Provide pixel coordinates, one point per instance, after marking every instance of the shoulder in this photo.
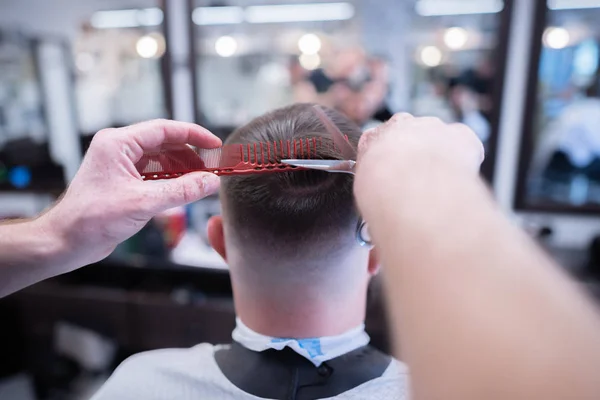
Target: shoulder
(397, 368)
(172, 358)
(151, 374)
(393, 384)
(167, 361)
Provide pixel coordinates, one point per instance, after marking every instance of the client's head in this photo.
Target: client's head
(290, 237)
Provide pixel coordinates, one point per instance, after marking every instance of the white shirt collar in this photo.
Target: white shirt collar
(316, 350)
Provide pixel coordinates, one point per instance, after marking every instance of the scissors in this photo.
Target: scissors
(344, 166)
(334, 166)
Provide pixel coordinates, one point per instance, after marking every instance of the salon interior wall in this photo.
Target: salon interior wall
(55, 20)
(52, 21)
(569, 231)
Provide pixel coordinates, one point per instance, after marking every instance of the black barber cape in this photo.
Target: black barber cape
(285, 374)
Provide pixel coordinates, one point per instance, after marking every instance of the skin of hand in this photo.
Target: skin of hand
(477, 310)
(428, 139)
(108, 202)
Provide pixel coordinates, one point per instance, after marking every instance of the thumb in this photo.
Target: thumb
(186, 189)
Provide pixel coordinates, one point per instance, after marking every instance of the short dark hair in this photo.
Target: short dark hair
(289, 210)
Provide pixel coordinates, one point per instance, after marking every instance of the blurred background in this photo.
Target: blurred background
(523, 74)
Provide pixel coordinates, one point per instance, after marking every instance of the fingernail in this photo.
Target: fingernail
(211, 183)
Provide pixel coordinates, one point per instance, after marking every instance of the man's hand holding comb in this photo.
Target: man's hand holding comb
(106, 203)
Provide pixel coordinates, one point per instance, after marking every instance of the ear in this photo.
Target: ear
(374, 265)
(216, 237)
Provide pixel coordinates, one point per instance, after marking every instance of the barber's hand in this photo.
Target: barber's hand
(424, 140)
(412, 149)
(107, 202)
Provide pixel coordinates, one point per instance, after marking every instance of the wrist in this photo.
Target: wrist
(51, 244)
(31, 251)
(77, 240)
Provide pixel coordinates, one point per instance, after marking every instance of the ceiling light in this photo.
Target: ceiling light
(556, 38)
(429, 8)
(431, 56)
(151, 46)
(572, 4)
(127, 18)
(310, 61)
(226, 46)
(150, 17)
(299, 12)
(218, 15)
(147, 47)
(309, 44)
(456, 38)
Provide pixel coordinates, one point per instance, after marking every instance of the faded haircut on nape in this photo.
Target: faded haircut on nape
(291, 214)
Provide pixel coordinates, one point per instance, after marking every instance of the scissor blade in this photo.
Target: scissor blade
(341, 166)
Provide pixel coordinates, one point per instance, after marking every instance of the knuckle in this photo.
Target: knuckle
(396, 118)
(369, 135)
(103, 134)
(371, 132)
(433, 120)
(103, 137)
(460, 126)
(400, 117)
(463, 130)
(363, 143)
(159, 122)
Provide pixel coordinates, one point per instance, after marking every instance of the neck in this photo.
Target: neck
(288, 314)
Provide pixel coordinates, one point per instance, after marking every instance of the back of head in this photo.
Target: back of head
(300, 218)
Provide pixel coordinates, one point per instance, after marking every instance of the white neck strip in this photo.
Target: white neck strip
(316, 350)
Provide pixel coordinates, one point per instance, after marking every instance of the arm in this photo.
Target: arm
(30, 251)
(477, 309)
(106, 203)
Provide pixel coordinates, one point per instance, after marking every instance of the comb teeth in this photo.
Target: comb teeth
(210, 157)
(273, 152)
(232, 159)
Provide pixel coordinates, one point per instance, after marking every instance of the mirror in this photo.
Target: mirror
(561, 152)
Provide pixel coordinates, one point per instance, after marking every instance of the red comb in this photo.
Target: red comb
(231, 159)
(241, 159)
